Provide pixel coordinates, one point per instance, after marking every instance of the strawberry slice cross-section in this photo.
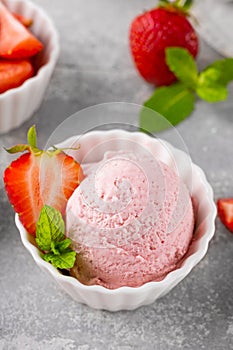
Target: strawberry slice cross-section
(40, 177)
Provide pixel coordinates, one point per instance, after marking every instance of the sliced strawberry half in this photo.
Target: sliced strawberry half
(40, 177)
(225, 212)
(14, 73)
(16, 41)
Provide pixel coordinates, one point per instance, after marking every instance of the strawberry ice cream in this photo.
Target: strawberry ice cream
(131, 221)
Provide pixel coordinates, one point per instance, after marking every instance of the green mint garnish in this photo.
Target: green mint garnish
(64, 260)
(60, 247)
(182, 64)
(209, 88)
(50, 238)
(176, 102)
(225, 67)
(49, 228)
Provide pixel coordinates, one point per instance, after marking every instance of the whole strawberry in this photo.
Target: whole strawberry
(153, 31)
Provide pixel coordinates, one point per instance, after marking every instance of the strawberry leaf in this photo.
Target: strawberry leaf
(50, 227)
(182, 5)
(185, 4)
(65, 260)
(163, 2)
(31, 136)
(17, 148)
(31, 146)
(183, 65)
(174, 103)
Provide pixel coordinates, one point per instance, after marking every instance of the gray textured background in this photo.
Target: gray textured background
(95, 67)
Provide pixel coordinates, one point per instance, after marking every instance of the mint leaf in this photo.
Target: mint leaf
(65, 260)
(212, 92)
(50, 238)
(60, 247)
(225, 69)
(209, 76)
(54, 248)
(63, 245)
(50, 227)
(174, 102)
(183, 65)
(209, 88)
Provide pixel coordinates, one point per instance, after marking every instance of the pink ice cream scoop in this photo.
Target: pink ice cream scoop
(131, 221)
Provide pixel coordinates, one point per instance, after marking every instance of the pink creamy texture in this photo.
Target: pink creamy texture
(131, 221)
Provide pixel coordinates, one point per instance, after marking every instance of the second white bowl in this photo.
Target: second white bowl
(18, 104)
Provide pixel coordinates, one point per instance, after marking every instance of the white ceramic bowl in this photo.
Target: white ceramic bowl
(205, 211)
(18, 104)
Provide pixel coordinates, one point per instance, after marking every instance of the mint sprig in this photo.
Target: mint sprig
(50, 238)
(176, 102)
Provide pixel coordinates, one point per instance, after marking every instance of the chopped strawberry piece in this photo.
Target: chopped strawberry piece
(14, 73)
(225, 212)
(16, 41)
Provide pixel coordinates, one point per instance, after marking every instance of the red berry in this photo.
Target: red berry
(225, 212)
(151, 33)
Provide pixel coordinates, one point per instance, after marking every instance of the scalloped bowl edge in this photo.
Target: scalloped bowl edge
(129, 298)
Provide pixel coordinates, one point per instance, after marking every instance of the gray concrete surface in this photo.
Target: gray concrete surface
(95, 67)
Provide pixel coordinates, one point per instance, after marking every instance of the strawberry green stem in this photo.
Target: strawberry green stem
(31, 146)
(32, 137)
(181, 5)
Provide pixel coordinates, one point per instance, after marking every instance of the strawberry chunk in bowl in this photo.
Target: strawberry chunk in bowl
(29, 49)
